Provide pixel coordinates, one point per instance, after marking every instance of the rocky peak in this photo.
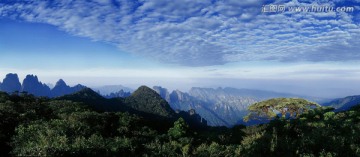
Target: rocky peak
(32, 77)
(61, 83)
(11, 83)
(31, 84)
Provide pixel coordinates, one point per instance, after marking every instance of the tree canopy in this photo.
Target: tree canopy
(33, 126)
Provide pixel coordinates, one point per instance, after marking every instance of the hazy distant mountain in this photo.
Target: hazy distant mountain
(108, 89)
(342, 104)
(119, 94)
(11, 83)
(61, 88)
(183, 101)
(220, 106)
(163, 92)
(32, 85)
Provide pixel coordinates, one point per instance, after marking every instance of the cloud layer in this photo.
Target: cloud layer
(202, 33)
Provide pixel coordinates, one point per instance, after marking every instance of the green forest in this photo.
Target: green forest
(39, 126)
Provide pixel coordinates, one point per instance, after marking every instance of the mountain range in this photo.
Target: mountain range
(144, 122)
(219, 106)
(32, 85)
(144, 102)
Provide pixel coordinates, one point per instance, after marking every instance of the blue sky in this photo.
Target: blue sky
(180, 44)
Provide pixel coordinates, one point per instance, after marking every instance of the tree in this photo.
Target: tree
(270, 108)
(180, 129)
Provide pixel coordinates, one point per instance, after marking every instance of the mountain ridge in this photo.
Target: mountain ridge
(345, 103)
(144, 102)
(32, 85)
(220, 106)
(61, 88)
(108, 89)
(223, 106)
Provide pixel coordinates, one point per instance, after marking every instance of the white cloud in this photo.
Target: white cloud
(200, 33)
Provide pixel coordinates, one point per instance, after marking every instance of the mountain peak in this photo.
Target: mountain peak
(31, 76)
(84, 93)
(61, 88)
(146, 100)
(61, 82)
(30, 79)
(32, 85)
(11, 83)
(144, 89)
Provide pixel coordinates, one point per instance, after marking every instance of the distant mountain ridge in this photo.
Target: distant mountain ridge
(32, 85)
(220, 106)
(113, 91)
(108, 89)
(342, 104)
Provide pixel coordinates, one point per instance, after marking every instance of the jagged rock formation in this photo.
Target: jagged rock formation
(220, 106)
(184, 102)
(31, 84)
(11, 83)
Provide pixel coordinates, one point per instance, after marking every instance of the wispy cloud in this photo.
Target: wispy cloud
(202, 33)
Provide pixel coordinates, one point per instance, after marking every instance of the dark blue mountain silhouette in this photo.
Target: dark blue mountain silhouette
(61, 88)
(32, 85)
(11, 83)
(343, 104)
